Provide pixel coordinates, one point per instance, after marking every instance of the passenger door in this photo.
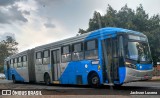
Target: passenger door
(111, 59)
(55, 61)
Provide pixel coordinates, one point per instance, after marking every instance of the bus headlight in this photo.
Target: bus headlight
(130, 65)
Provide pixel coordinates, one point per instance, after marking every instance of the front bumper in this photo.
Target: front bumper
(136, 75)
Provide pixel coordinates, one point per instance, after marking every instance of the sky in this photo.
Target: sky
(36, 22)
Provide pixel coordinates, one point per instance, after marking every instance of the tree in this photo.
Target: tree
(128, 18)
(125, 18)
(7, 47)
(81, 31)
(94, 23)
(110, 17)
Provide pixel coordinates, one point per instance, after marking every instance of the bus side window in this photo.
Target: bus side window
(66, 55)
(38, 58)
(15, 63)
(19, 62)
(91, 49)
(24, 59)
(11, 62)
(77, 51)
(7, 63)
(46, 55)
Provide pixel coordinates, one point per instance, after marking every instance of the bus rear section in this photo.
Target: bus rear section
(19, 67)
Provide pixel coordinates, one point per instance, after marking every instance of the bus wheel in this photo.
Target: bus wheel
(13, 78)
(94, 80)
(47, 79)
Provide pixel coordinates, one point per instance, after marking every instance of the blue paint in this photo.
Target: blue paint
(100, 55)
(122, 74)
(144, 66)
(102, 33)
(78, 68)
(18, 77)
(12, 71)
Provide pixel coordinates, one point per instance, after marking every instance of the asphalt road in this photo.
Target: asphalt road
(133, 89)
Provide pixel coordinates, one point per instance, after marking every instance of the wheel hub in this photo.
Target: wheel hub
(95, 80)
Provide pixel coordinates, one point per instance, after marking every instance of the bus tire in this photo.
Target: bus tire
(94, 80)
(14, 79)
(47, 79)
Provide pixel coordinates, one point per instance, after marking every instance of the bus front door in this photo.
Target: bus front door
(55, 59)
(111, 60)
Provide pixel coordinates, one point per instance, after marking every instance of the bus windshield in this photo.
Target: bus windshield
(139, 51)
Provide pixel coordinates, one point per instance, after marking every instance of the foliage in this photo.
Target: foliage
(128, 18)
(7, 47)
(1, 69)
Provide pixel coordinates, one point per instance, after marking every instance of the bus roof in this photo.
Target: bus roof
(83, 37)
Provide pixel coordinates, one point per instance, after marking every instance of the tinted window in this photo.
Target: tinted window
(92, 54)
(66, 56)
(24, 58)
(11, 61)
(15, 60)
(90, 45)
(56, 57)
(39, 55)
(24, 64)
(65, 49)
(138, 51)
(46, 53)
(91, 49)
(78, 53)
(15, 63)
(134, 37)
(77, 47)
(19, 62)
(19, 59)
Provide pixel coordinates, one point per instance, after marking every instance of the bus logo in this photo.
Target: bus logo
(6, 92)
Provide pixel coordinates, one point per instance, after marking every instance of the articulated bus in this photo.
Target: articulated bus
(105, 56)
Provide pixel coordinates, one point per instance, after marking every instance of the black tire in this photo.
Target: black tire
(47, 79)
(94, 80)
(14, 80)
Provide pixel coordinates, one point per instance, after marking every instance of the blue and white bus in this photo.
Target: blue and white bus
(108, 55)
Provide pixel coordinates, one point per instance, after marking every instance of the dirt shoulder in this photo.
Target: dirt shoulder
(155, 78)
